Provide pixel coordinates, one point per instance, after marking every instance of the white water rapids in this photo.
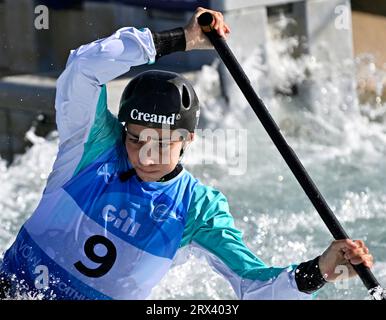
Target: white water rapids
(341, 143)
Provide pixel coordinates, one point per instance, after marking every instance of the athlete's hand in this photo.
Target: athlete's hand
(342, 253)
(195, 38)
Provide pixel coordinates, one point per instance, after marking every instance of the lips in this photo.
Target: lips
(146, 171)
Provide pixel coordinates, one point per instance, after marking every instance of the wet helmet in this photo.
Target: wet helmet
(157, 98)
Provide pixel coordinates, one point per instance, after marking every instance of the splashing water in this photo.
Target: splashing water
(25, 181)
(341, 143)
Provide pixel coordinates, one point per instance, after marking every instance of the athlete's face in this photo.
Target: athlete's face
(154, 152)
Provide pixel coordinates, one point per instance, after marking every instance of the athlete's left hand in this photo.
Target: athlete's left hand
(342, 253)
(195, 38)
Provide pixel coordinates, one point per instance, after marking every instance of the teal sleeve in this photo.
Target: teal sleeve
(86, 128)
(210, 232)
(211, 226)
(105, 132)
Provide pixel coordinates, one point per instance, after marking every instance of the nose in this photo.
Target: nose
(148, 155)
(146, 161)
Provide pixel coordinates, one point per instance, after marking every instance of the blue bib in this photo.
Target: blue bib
(100, 238)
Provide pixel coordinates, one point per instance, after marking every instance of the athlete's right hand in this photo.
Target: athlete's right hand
(195, 38)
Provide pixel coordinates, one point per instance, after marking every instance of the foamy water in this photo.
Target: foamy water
(340, 142)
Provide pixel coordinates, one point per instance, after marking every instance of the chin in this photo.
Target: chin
(148, 178)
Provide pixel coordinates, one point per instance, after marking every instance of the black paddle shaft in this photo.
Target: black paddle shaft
(205, 20)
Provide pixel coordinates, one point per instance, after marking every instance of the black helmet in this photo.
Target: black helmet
(155, 98)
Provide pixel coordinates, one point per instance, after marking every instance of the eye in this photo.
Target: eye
(134, 140)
